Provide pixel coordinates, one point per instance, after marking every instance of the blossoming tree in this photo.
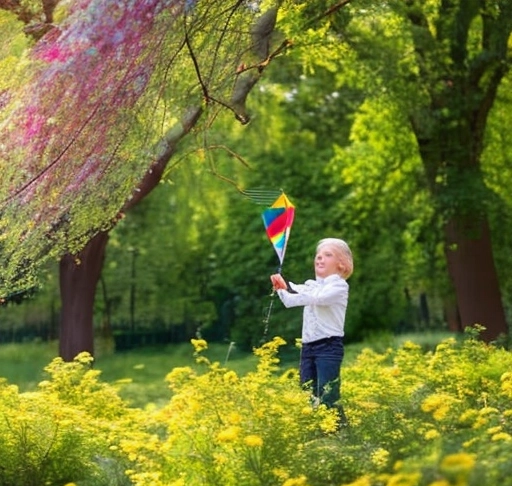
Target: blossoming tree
(91, 111)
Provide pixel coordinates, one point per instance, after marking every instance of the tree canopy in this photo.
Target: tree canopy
(93, 104)
(383, 121)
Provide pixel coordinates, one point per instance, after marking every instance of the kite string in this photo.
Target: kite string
(266, 319)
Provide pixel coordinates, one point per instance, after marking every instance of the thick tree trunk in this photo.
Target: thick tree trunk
(471, 266)
(79, 276)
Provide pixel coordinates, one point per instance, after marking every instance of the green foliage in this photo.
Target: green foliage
(457, 409)
(389, 220)
(79, 133)
(13, 44)
(495, 161)
(53, 436)
(334, 125)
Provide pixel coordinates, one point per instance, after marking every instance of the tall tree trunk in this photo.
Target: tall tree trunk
(471, 266)
(79, 276)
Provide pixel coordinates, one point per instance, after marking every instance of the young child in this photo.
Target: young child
(325, 303)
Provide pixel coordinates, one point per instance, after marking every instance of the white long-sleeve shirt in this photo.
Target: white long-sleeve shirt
(325, 304)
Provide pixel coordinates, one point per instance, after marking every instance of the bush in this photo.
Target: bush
(225, 430)
(417, 418)
(68, 431)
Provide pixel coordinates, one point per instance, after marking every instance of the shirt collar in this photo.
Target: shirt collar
(330, 278)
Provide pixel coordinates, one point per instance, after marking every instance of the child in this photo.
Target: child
(325, 303)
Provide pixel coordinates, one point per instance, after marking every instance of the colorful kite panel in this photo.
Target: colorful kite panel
(278, 220)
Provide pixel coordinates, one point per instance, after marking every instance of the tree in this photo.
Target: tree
(472, 39)
(441, 64)
(76, 137)
(429, 71)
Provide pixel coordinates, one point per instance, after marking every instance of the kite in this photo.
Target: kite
(278, 220)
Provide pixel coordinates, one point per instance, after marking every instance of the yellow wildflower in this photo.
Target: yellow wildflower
(234, 418)
(469, 442)
(221, 459)
(460, 464)
(362, 481)
(307, 411)
(253, 441)
(439, 404)
(329, 423)
(411, 346)
(403, 479)
(230, 376)
(279, 473)
(300, 481)
(501, 436)
(380, 457)
(494, 430)
(441, 482)
(179, 376)
(468, 416)
(199, 345)
(480, 422)
(179, 482)
(228, 435)
(488, 411)
(506, 384)
(431, 434)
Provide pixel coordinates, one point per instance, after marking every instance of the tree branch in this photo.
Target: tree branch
(165, 150)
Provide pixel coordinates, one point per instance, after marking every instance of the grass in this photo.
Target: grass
(140, 373)
(23, 364)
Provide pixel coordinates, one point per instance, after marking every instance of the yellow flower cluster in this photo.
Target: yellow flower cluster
(457, 467)
(300, 481)
(199, 345)
(438, 404)
(380, 458)
(406, 408)
(253, 441)
(230, 434)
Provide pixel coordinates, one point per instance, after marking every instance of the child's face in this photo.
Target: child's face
(327, 261)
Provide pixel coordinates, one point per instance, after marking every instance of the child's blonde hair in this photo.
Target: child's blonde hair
(344, 253)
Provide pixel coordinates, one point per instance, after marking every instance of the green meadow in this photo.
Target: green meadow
(141, 372)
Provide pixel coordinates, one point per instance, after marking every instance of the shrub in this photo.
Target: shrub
(229, 430)
(435, 418)
(68, 431)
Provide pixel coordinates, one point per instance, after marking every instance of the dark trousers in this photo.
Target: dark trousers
(320, 363)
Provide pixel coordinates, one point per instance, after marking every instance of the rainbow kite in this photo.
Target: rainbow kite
(278, 220)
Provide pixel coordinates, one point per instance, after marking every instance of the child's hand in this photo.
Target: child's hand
(278, 281)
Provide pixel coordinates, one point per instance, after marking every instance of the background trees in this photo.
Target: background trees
(384, 125)
(410, 188)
